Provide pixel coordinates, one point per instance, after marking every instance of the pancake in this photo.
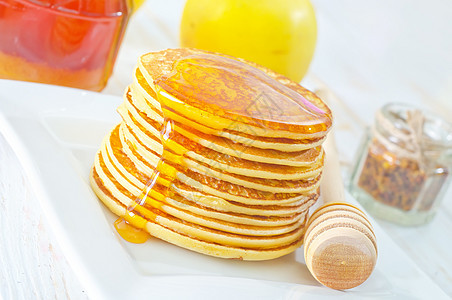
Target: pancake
(305, 115)
(200, 161)
(146, 94)
(243, 149)
(139, 153)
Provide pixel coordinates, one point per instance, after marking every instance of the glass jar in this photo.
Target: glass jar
(63, 42)
(403, 165)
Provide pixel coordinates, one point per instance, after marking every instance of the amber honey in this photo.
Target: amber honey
(231, 89)
(70, 43)
(157, 186)
(130, 233)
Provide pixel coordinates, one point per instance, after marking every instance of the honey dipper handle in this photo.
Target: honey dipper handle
(340, 247)
(331, 186)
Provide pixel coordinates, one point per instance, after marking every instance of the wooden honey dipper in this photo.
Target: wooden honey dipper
(340, 247)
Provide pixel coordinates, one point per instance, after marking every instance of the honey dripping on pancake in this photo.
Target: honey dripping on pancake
(228, 89)
(158, 186)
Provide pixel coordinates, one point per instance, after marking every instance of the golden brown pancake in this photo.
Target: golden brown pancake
(304, 114)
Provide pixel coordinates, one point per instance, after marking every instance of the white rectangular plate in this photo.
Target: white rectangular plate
(56, 132)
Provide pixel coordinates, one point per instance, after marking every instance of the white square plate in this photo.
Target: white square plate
(56, 131)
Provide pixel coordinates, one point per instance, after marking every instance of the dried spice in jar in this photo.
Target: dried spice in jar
(403, 166)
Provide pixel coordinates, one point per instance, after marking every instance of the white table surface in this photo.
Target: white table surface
(368, 52)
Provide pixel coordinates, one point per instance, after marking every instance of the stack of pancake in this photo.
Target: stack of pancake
(214, 154)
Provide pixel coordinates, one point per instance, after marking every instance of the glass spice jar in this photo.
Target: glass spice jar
(403, 166)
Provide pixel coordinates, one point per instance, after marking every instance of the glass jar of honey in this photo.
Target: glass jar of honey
(63, 42)
(404, 164)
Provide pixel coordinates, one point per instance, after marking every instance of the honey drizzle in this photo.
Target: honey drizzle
(235, 90)
(131, 226)
(131, 229)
